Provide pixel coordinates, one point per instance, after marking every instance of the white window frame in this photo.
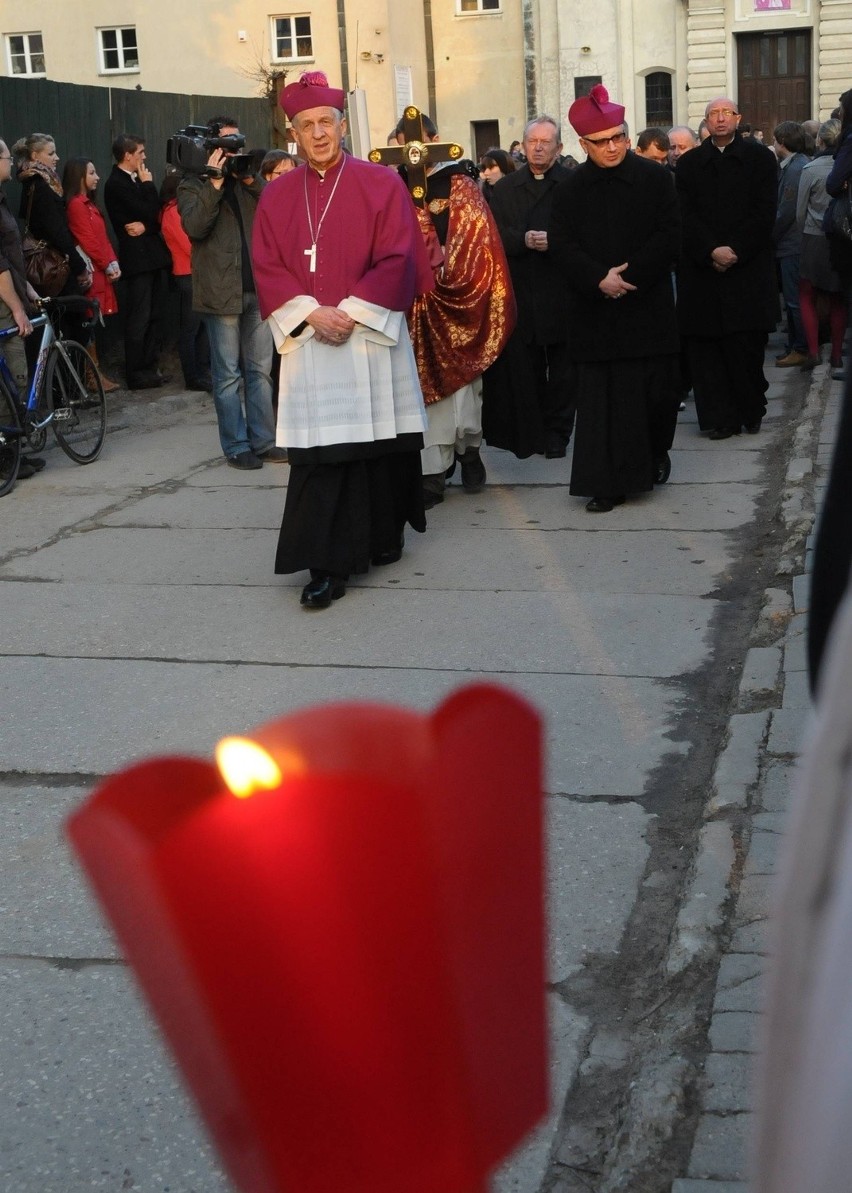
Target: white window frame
(294, 40)
(479, 11)
(28, 52)
(122, 68)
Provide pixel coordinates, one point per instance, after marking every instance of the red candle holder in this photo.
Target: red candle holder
(348, 960)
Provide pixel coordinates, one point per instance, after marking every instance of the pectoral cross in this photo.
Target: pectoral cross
(312, 253)
(416, 154)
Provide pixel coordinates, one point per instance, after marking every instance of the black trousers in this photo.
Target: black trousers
(193, 349)
(728, 379)
(144, 300)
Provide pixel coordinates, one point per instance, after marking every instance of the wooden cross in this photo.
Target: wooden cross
(416, 154)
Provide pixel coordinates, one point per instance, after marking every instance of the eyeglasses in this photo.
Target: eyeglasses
(616, 139)
(725, 112)
(5, 157)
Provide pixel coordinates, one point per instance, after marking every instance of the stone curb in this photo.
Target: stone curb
(689, 1186)
(703, 913)
(718, 894)
(738, 766)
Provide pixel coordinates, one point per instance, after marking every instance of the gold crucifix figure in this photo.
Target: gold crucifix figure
(416, 154)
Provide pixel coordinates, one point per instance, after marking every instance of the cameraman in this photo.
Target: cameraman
(217, 212)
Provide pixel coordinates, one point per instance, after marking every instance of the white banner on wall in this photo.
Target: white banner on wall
(402, 88)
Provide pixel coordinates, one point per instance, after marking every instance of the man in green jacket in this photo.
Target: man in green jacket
(217, 212)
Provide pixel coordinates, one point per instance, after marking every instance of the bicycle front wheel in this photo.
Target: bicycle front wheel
(77, 400)
(10, 441)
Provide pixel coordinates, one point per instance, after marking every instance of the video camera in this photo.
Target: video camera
(189, 149)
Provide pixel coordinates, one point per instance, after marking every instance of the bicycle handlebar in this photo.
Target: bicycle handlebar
(8, 332)
(59, 304)
(70, 300)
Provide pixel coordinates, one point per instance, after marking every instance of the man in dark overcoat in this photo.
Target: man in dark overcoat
(727, 295)
(133, 206)
(615, 234)
(528, 393)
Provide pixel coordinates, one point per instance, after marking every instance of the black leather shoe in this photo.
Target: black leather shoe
(321, 591)
(723, 432)
(753, 428)
(392, 556)
(663, 470)
(602, 505)
(472, 471)
(247, 461)
(433, 489)
(555, 447)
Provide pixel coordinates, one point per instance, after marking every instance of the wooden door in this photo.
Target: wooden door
(774, 78)
(486, 135)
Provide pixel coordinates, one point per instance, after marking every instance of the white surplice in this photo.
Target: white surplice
(358, 392)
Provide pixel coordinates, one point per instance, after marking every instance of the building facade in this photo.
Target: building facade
(480, 67)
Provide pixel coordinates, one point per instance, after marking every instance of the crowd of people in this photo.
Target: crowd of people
(751, 232)
(515, 301)
(60, 209)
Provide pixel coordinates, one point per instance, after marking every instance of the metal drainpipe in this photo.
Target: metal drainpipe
(430, 61)
(530, 89)
(344, 52)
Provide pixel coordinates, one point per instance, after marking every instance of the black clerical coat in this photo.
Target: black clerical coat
(603, 218)
(521, 203)
(727, 198)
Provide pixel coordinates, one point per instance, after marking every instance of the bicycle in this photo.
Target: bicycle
(65, 393)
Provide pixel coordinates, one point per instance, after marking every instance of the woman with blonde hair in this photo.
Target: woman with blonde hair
(42, 206)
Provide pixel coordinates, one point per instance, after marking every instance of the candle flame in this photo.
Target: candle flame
(246, 767)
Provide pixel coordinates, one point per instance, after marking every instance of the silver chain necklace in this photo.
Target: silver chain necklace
(312, 251)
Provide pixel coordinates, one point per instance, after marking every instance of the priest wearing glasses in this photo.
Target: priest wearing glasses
(338, 259)
(614, 235)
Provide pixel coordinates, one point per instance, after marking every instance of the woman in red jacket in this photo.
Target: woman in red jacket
(88, 227)
(192, 336)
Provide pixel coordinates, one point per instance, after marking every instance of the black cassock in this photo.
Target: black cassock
(728, 198)
(528, 393)
(625, 349)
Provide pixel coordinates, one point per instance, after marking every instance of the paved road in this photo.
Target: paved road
(142, 616)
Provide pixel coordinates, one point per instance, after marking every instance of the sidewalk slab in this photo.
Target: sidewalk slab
(728, 1083)
(690, 1186)
(733, 1031)
(760, 672)
(764, 851)
(786, 732)
(553, 632)
(89, 1099)
(721, 1147)
(141, 708)
(737, 767)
